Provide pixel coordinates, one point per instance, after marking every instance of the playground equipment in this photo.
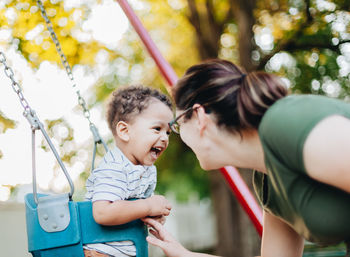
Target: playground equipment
(56, 225)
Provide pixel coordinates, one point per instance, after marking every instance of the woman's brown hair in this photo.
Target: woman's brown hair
(237, 99)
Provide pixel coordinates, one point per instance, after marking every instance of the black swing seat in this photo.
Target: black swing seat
(58, 227)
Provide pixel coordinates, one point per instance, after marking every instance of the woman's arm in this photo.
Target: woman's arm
(327, 152)
(279, 239)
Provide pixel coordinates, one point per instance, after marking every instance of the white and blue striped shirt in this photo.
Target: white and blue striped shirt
(117, 178)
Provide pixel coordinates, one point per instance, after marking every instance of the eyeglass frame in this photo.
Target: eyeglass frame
(174, 121)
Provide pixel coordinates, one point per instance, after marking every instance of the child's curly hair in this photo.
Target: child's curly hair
(128, 101)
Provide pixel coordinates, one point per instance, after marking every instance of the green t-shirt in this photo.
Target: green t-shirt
(318, 212)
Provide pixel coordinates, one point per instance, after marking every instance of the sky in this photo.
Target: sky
(49, 92)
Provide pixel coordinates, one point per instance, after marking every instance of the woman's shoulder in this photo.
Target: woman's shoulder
(295, 102)
(287, 123)
(300, 109)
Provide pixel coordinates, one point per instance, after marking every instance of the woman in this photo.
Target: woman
(299, 146)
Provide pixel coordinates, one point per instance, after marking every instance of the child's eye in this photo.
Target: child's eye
(168, 132)
(157, 128)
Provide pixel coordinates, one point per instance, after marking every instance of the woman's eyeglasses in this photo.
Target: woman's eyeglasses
(174, 126)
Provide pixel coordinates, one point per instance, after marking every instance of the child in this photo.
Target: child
(138, 118)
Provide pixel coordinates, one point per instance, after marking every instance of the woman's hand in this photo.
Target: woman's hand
(164, 240)
(160, 219)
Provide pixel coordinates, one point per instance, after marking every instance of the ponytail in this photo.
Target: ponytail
(258, 91)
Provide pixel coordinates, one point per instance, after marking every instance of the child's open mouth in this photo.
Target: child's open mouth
(156, 151)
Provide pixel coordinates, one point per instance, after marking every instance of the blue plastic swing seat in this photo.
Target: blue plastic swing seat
(67, 237)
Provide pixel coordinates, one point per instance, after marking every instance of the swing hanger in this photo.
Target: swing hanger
(35, 124)
(97, 138)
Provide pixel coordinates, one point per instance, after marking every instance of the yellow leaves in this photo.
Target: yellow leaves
(312, 29)
(69, 46)
(221, 8)
(35, 41)
(6, 123)
(167, 24)
(172, 33)
(3, 20)
(88, 52)
(278, 23)
(323, 59)
(24, 23)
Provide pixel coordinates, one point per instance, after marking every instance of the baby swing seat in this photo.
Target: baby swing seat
(58, 227)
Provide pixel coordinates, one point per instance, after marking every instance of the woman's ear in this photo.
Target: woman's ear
(202, 118)
(122, 130)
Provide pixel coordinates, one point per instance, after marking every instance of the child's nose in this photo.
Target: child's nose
(164, 137)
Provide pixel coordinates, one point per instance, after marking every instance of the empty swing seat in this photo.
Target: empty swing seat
(58, 227)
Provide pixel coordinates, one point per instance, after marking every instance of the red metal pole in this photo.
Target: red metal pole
(244, 196)
(237, 184)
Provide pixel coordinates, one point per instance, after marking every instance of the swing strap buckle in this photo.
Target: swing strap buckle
(53, 212)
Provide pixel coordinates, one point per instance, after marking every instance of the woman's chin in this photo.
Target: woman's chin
(208, 166)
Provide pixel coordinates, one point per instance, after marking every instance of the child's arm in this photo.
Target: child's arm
(121, 212)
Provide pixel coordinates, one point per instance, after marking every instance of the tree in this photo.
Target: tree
(304, 41)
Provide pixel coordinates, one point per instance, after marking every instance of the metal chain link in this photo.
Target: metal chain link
(64, 61)
(35, 123)
(15, 86)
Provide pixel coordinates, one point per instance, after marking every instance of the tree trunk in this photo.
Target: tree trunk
(245, 20)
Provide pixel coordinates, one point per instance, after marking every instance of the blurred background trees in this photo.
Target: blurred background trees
(307, 42)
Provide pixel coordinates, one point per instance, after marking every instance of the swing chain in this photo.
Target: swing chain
(64, 61)
(35, 124)
(15, 86)
(97, 138)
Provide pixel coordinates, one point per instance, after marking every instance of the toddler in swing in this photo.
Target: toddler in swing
(138, 117)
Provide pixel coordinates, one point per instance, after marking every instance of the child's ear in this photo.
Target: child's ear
(122, 130)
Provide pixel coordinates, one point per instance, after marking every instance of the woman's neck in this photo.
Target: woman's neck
(241, 151)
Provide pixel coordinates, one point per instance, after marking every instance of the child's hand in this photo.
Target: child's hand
(158, 206)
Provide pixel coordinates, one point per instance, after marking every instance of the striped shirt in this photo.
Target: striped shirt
(117, 178)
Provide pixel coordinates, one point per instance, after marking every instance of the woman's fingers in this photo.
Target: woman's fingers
(162, 233)
(150, 221)
(155, 233)
(153, 223)
(164, 240)
(155, 241)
